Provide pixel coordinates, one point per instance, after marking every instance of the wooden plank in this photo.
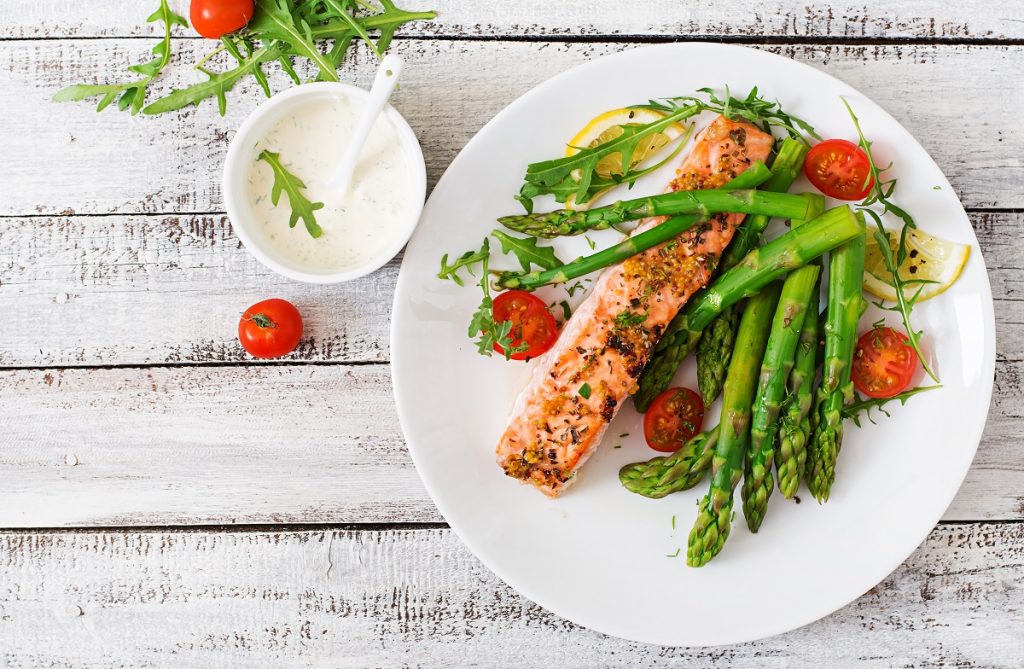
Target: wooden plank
(173, 163)
(283, 444)
(204, 445)
(913, 19)
(147, 289)
(127, 290)
(402, 598)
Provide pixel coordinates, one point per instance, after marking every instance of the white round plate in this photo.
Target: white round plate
(601, 556)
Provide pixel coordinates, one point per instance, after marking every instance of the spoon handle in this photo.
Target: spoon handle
(383, 85)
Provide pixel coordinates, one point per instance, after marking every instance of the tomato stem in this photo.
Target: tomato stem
(261, 320)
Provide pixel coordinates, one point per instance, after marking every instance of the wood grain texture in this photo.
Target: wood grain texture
(309, 444)
(172, 164)
(417, 598)
(932, 20)
(170, 290)
(128, 290)
(178, 446)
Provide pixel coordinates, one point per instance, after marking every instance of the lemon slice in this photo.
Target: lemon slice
(608, 126)
(928, 258)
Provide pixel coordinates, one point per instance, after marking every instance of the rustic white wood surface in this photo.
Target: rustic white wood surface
(172, 164)
(188, 445)
(926, 20)
(417, 598)
(125, 400)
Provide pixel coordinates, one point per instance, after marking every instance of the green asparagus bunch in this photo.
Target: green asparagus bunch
(567, 222)
(757, 269)
(612, 255)
(713, 351)
(682, 470)
(796, 417)
(563, 222)
(714, 517)
(778, 361)
(714, 345)
(797, 422)
(846, 271)
(659, 234)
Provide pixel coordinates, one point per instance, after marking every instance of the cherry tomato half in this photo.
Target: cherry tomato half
(672, 419)
(883, 363)
(839, 169)
(270, 329)
(214, 18)
(532, 323)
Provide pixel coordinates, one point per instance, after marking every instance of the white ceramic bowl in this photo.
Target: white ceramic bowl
(242, 154)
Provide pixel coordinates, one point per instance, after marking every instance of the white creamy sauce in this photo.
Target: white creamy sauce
(311, 140)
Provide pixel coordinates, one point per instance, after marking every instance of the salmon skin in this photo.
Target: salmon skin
(578, 386)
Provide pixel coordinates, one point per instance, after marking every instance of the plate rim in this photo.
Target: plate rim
(817, 612)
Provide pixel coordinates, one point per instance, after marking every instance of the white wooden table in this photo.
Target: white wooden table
(169, 502)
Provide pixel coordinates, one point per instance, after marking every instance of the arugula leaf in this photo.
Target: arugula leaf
(752, 108)
(131, 95)
(482, 327)
(863, 405)
(218, 84)
(275, 20)
(575, 175)
(527, 251)
(335, 9)
(880, 194)
(279, 30)
(467, 260)
(598, 184)
(880, 190)
(289, 183)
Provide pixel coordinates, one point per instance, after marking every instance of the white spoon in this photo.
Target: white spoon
(383, 85)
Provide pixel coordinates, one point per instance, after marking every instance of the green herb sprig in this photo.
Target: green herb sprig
(301, 206)
(466, 260)
(576, 175)
(753, 108)
(599, 184)
(482, 327)
(527, 251)
(880, 193)
(865, 405)
(279, 31)
(131, 95)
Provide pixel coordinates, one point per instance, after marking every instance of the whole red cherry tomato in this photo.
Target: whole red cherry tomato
(215, 18)
(270, 329)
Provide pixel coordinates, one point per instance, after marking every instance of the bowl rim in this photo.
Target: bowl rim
(241, 218)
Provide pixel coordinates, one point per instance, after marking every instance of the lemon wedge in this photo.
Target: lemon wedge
(606, 127)
(928, 258)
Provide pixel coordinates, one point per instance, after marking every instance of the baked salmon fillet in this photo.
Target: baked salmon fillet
(578, 386)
